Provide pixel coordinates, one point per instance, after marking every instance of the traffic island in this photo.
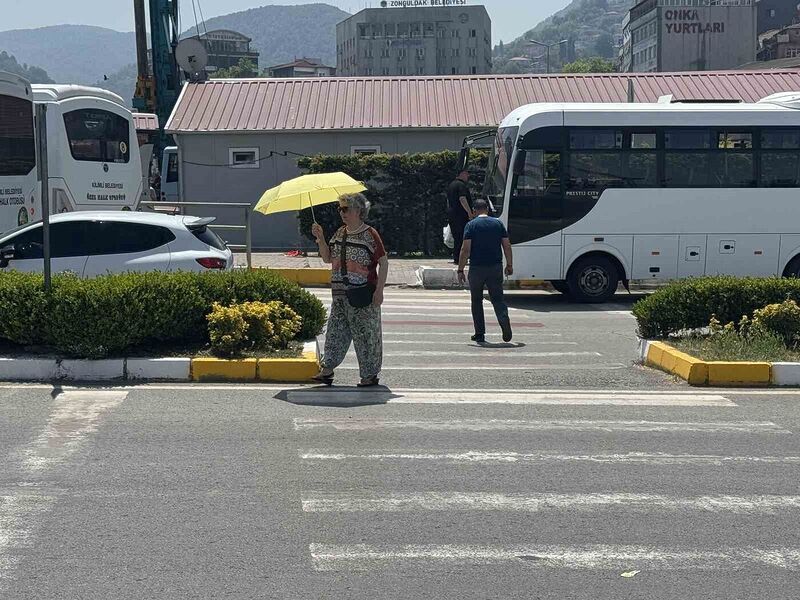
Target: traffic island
(698, 372)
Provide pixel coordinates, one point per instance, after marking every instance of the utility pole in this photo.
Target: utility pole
(44, 179)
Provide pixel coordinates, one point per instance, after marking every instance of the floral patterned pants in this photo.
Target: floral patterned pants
(362, 327)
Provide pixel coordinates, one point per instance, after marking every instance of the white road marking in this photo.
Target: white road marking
(522, 368)
(425, 334)
(598, 399)
(484, 353)
(319, 502)
(742, 427)
(333, 557)
(75, 415)
(475, 456)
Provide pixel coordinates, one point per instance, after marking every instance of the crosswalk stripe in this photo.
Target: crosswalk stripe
(426, 334)
(484, 366)
(485, 501)
(332, 557)
(479, 457)
(464, 343)
(489, 353)
(717, 427)
(446, 397)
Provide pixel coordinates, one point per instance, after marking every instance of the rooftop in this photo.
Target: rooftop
(455, 102)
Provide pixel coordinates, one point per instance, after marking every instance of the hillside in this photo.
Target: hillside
(9, 64)
(72, 53)
(122, 82)
(594, 25)
(281, 33)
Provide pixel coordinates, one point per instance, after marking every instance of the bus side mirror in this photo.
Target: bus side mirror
(7, 254)
(519, 162)
(463, 160)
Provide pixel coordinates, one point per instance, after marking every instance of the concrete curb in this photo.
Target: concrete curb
(715, 373)
(277, 370)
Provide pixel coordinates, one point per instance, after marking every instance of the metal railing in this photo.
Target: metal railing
(177, 208)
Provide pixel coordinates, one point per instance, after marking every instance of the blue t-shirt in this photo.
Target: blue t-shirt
(486, 234)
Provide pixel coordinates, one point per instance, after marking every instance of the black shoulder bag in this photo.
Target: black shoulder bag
(357, 297)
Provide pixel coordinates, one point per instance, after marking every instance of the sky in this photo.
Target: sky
(510, 18)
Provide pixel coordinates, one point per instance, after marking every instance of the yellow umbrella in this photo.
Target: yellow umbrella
(307, 191)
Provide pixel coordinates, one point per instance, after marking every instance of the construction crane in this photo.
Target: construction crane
(157, 90)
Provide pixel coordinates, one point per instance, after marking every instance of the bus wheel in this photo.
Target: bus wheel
(793, 268)
(560, 286)
(593, 279)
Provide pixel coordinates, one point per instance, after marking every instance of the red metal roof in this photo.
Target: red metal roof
(334, 103)
(145, 121)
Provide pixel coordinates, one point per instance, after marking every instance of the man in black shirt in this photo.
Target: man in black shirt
(459, 210)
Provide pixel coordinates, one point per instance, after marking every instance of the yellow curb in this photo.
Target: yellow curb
(293, 370)
(739, 373)
(217, 369)
(671, 360)
(305, 276)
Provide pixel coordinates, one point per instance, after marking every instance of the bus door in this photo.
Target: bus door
(535, 212)
(18, 177)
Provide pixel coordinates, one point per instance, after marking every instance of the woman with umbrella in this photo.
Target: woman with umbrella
(359, 268)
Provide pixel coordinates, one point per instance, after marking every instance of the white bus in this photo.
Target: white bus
(18, 177)
(92, 149)
(597, 194)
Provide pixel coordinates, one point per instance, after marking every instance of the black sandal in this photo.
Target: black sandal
(369, 382)
(323, 379)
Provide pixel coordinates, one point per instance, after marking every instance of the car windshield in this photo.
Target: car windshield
(12, 232)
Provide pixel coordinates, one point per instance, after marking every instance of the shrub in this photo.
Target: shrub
(782, 320)
(690, 303)
(110, 315)
(227, 330)
(270, 326)
(407, 192)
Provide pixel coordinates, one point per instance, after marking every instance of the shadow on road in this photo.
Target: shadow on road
(546, 302)
(337, 397)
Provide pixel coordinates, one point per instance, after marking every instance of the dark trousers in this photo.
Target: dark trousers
(490, 277)
(457, 226)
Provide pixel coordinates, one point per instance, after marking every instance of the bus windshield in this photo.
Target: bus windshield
(499, 163)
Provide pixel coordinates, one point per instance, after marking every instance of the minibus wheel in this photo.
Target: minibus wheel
(593, 279)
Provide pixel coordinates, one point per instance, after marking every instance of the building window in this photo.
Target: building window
(474, 70)
(454, 71)
(385, 53)
(355, 150)
(441, 32)
(243, 158)
(402, 53)
(420, 70)
(403, 71)
(456, 52)
(385, 71)
(456, 33)
(771, 13)
(420, 53)
(473, 33)
(472, 51)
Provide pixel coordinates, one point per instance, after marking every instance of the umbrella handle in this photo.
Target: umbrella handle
(311, 204)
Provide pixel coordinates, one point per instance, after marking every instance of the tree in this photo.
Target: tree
(33, 74)
(245, 68)
(595, 64)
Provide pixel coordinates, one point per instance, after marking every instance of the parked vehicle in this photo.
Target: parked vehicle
(91, 243)
(595, 194)
(169, 174)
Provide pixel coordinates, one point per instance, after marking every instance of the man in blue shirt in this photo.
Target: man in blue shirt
(485, 242)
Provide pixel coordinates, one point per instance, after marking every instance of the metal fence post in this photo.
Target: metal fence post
(44, 179)
(248, 237)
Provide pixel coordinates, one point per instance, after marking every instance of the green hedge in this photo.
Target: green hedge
(690, 303)
(407, 192)
(109, 315)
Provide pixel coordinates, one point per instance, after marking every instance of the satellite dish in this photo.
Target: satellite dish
(192, 57)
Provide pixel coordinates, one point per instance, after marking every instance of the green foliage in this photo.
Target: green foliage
(782, 320)
(589, 65)
(9, 64)
(110, 315)
(243, 69)
(407, 192)
(727, 344)
(227, 330)
(691, 303)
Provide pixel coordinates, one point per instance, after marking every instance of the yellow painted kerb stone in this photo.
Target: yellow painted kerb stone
(739, 373)
(217, 369)
(288, 369)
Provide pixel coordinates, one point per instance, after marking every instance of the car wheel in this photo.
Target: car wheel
(593, 279)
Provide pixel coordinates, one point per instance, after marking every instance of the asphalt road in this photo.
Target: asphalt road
(556, 468)
(241, 492)
(556, 343)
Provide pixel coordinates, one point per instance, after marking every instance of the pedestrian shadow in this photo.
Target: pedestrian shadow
(337, 397)
(491, 345)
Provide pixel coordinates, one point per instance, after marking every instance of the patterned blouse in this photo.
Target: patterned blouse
(364, 251)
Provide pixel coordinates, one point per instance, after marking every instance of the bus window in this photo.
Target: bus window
(595, 139)
(780, 159)
(731, 167)
(172, 168)
(17, 148)
(499, 163)
(98, 136)
(536, 202)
